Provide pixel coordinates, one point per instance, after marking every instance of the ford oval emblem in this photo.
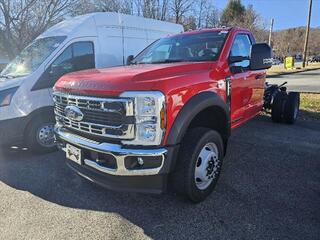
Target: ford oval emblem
(73, 113)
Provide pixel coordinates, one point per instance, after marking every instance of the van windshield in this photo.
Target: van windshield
(204, 46)
(32, 57)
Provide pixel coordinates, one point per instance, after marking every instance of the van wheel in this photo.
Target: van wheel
(291, 108)
(278, 107)
(40, 135)
(199, 164)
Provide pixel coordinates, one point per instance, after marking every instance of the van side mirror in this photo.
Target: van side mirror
(261, 56)
(130, 59)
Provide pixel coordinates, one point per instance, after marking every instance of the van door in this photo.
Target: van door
(77, 56)
(111, 46)
(135, 40)
(153, 35)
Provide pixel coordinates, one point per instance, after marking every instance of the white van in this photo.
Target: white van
(94, 40)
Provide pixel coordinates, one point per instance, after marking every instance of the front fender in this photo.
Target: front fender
(194, 106)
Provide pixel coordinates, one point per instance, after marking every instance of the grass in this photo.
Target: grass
(279, 69)
(310, 106)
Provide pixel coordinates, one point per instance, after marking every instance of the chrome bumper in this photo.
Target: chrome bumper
(117, 151)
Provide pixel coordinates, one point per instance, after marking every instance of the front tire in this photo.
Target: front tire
(39, 135)
(199, 164)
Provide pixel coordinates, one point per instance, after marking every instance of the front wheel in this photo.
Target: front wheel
(199, 164)
(40, 135)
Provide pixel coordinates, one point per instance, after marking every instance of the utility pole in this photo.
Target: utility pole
(270, 31)
(307, 36)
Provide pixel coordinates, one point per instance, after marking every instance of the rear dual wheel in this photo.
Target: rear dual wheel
(285, 107)
(199, 164)
(278, 105)
(291, 108)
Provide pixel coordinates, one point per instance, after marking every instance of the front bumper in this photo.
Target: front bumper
(151, 176)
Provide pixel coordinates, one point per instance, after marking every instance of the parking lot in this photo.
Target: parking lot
(269, 189)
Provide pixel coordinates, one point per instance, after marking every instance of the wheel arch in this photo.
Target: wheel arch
(43, 112)
(194, 114)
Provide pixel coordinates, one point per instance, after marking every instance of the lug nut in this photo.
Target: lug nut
(140, 161)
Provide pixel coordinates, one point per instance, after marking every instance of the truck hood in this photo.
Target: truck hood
(114, 81)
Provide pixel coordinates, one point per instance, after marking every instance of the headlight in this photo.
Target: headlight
(150, 117)
(6, 96)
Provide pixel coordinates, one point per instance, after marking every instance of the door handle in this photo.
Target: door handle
(260, 76)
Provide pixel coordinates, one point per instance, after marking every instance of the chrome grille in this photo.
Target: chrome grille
(106, 117)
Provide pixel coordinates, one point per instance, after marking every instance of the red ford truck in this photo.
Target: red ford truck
(163, 121)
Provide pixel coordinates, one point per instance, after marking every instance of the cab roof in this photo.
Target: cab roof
(219, 29)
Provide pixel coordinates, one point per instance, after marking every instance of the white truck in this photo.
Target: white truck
(94, 40)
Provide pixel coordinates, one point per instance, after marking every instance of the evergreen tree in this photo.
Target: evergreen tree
(234, 12)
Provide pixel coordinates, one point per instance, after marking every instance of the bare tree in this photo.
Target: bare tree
(180, 8)
(207, 14)
(88, 6)
(156, 9)
(23, 20)
(289, 42)
(149, 8)
(121, 6)
(138, 5)
(81, 7)
(163, 9)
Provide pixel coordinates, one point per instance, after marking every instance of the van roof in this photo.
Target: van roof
(83, 24)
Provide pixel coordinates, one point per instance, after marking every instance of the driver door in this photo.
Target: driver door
(241, 79)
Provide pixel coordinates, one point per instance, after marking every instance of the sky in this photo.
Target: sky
(286, 13)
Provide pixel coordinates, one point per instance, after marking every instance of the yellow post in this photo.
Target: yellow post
(289, 63)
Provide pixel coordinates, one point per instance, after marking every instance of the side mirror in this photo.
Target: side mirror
(236, 69)
(261, 56)
(130, 59)
(235, 59)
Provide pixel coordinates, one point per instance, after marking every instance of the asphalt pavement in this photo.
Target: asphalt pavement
(269, 189)
(308, 81)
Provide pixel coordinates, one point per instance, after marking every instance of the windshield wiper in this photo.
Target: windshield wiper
(137, 63)
(12, 76)
(162, 61)
(5, 76)
(170, 61)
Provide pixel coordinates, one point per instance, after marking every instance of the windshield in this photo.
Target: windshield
(32, 57)
(184, 48)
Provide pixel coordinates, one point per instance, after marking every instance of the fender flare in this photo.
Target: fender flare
(47, 111)
(194, 106)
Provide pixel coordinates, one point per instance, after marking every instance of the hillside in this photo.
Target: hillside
(289, 42)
